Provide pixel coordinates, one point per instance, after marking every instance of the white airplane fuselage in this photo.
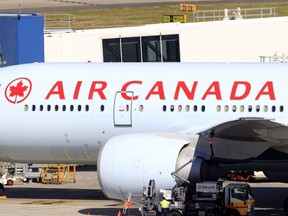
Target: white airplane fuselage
(64, 113)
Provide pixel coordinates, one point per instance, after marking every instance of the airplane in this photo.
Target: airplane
(146, 121)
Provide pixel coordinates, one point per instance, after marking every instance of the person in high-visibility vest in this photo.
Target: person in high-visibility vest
(164, 207)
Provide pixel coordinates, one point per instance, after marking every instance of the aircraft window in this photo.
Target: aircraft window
(71, 108)
(172, 108)
(26, 107)
(102, 108)
(41, 107)
(281, 108)
(48, 108)
(56, 108)
(257, 108)
(242, 108)
(234, 108)
(79, 108)
(164, 108)
(33, 107)
(203, 108)
(179, 108)
(141, 108)
(273, 108)
(226, 108)
(218, 108)
(187, 108)
(64, 108)
(87, 108)
(195, 108)
(265, 108)
(249, 108)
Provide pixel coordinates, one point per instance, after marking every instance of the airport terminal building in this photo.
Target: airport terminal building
(240, 40)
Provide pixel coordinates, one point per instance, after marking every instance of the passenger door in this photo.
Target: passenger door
(123, 109)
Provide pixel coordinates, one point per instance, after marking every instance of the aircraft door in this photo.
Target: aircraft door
(123, 109)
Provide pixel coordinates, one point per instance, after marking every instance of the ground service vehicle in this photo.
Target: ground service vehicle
(7, 179)
(203, 199)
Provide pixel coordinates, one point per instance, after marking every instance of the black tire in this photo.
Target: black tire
(231, 212)
(2, 190)
(234, 212)
(10, 182)
(285, 206)
(175, 213)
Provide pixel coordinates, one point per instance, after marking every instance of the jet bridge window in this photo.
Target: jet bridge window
(164, 48)
(111, 50)
(170, 48)
(131, 49)
(122, 50)
(151, 49)
(159, 48)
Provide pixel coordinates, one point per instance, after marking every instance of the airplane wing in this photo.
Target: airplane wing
(252, 129)
(247, 139)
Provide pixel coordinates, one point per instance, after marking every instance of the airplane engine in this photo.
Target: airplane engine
(127, 163)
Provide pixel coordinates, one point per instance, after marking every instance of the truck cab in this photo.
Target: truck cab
(238, 199)
(218, 198)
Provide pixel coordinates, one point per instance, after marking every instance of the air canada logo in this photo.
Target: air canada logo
(18, 90)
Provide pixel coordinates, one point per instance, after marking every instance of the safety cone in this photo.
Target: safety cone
(119, 213)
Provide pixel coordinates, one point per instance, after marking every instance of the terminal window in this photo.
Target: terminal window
(160, 48)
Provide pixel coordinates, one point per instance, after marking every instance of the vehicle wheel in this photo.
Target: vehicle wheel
(10, 182)
(231, 212)
(285, 206)
(234, 212)
(175, 213)
(2, 190)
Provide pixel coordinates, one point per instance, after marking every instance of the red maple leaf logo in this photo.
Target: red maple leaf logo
(18, 90)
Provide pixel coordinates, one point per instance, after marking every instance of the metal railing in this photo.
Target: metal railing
(275, 58)
(232, 14)
(58, 21)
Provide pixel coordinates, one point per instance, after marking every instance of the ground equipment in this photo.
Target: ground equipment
(202, 199)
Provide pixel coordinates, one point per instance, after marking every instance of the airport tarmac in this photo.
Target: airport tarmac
(86, 198)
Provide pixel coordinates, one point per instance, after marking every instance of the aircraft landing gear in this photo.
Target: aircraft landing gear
(285, 206)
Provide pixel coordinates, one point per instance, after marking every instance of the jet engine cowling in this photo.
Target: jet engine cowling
(127, 163)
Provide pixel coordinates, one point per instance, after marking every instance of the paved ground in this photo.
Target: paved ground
(85, 198)
(67, 5)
